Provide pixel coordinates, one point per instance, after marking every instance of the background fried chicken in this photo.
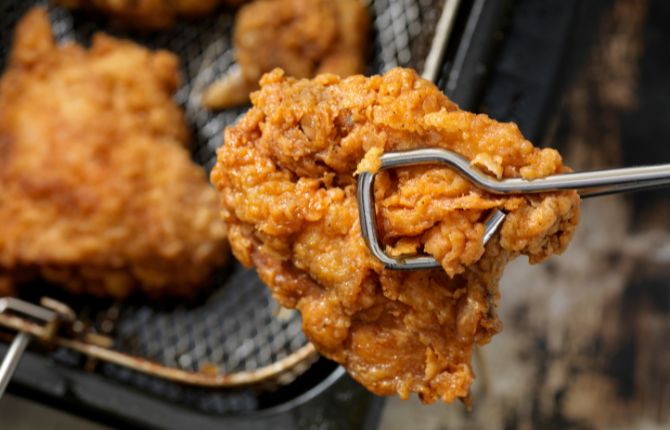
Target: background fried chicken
(288, 192)
(303, 37)
(98, 192)
(148, 14)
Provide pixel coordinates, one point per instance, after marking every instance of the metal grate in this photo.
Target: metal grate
(238, 327)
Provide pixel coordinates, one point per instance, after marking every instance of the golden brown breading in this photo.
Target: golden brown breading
(98, 192)
(148, 14)
(304, 37)
(288, 192)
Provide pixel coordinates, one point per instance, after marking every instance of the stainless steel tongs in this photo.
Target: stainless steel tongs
(589, 184)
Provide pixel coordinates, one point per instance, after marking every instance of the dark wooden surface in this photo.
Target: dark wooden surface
(586, 339)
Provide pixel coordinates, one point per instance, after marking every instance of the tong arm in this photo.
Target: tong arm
(589, 184)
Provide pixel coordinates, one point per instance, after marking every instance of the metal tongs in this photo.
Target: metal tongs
(589, 184)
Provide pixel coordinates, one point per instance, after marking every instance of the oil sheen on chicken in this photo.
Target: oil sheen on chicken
(286, 177)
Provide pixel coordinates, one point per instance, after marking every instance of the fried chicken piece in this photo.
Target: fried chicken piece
(304, 37)
(288, 193)
(98, 193)
(148, 14)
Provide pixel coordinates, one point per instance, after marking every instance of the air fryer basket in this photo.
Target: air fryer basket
(238, 334)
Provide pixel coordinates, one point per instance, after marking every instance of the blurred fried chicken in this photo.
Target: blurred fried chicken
(148, 14)
(98, 192)
(288, 192)
(304, 37)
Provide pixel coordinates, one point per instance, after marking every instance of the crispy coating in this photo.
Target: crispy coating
(148, 14)
(303, 37)
(287, 187)
(98, 193)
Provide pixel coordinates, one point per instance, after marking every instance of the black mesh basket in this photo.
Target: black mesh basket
(237, 327)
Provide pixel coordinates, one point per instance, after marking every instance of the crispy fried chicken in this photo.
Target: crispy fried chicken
(288, 192)
(304, 37)
(98, 191)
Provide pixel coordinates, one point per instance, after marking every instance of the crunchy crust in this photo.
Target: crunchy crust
(98, 192)
(287, 186)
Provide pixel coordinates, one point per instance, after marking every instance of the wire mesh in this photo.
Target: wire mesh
(238, 327)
